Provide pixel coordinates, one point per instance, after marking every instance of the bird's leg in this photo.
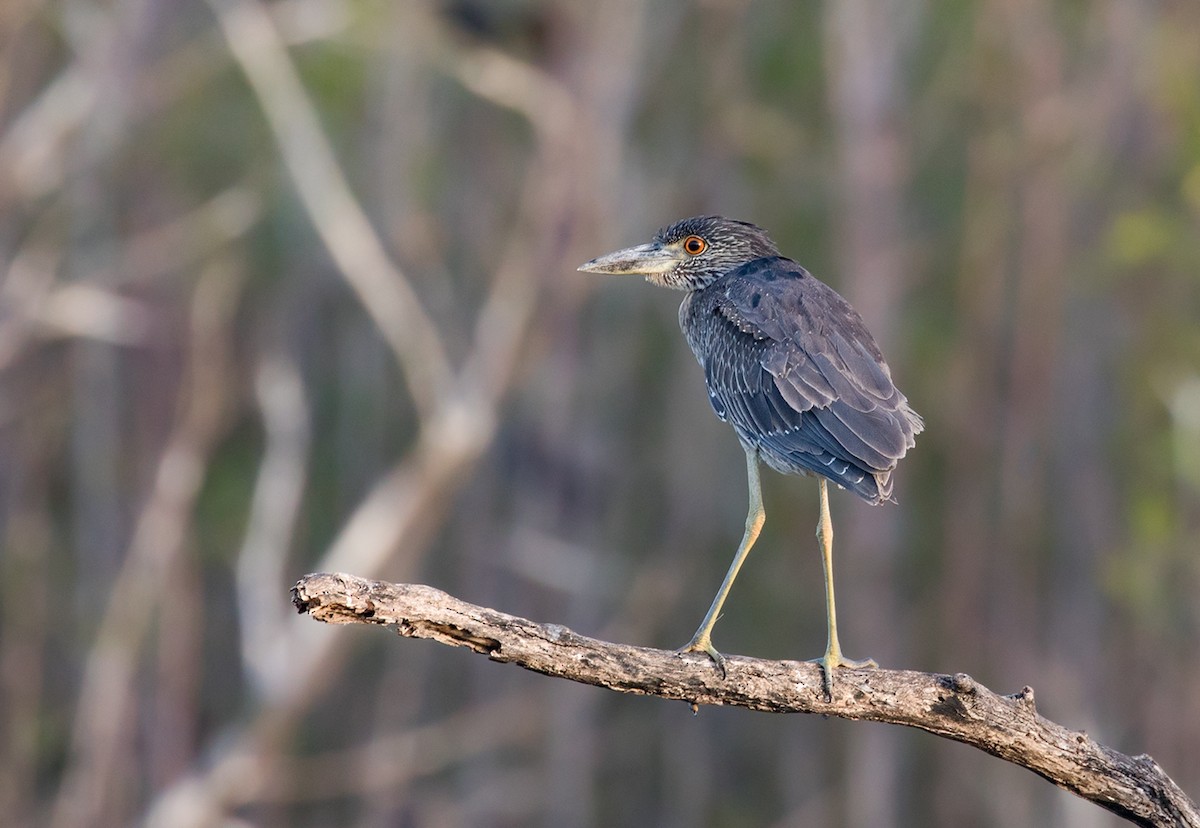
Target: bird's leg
(702, 641)
(833, 651)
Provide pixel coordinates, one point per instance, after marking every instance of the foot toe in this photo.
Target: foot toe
(703, 645)
(830, 661)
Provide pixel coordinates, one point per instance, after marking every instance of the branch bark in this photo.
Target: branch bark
(956, 707)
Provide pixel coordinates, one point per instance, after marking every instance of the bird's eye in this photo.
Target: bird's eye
(694, 245)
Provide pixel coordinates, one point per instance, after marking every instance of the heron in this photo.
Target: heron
(792, 367)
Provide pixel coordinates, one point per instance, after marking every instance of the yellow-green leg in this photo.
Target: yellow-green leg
(833, 651)
(702, 641)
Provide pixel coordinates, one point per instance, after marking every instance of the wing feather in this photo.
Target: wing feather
(793, 368)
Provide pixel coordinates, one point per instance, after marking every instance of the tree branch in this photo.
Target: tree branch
(956, 707)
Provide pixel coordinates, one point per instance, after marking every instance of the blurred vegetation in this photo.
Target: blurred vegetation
(291, 286)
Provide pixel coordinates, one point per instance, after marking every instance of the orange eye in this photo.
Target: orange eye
(694, 245)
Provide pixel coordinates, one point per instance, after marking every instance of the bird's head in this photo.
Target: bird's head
(690, 254)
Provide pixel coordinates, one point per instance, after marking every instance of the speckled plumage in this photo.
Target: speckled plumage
(792, 367)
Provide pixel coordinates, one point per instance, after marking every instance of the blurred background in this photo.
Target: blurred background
(291, 286)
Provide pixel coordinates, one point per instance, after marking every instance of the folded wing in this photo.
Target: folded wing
(793, 368)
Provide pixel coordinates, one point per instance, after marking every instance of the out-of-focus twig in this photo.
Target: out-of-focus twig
(390, 761)
(278, 492)
(181, 243)
(26, 285)
(407, 503)
(27, 607)
(546, 204)
(106, 700)
(336, 214)
(35, 152)
(91, 312)
(32, 150)
(517, 85)
(34, 306)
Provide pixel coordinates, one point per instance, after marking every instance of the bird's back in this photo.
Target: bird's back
(792, 367)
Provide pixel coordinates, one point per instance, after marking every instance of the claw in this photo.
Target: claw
(831, 660)
(702, 644)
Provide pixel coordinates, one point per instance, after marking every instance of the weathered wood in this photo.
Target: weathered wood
(956, 707)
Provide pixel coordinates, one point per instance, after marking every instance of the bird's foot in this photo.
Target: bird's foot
(832, 659)
(702, 644)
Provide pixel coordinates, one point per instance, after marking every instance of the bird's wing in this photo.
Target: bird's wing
(815, 353)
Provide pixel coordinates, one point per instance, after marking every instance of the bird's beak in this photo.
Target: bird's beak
(643, 260)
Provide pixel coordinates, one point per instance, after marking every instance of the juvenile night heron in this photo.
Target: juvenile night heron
(791, 366)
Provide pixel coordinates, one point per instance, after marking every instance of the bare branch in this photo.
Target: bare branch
(956, 707)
